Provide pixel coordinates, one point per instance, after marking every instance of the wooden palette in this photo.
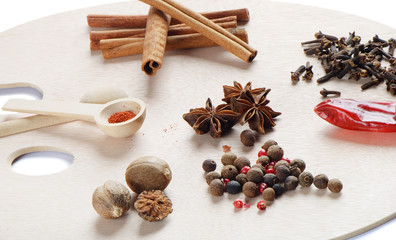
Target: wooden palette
(52, 54)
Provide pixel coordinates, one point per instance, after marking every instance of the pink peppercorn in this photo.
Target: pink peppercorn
(238, 203)
(262, 187)
(226, 180)
(262, 152)
(270, 170)
(286, 159)
(261, 205)
(245, 169)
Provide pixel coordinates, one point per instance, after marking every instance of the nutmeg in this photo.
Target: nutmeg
(148, 173)
(111, 200)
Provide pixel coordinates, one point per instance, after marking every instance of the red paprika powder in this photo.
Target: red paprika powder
(121, 117)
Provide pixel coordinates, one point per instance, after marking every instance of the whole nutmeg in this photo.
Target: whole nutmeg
(228, 158)
(248, 137)
(240, 162)
(250, 189)
(320, 181)
(216, 187)
(229, 172)
(111, 200)
(255, 175)
(148, 173)
(275, 153)
(211, 176)
(268, 144)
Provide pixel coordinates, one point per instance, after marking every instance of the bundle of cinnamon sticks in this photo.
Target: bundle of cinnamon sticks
(169, 26)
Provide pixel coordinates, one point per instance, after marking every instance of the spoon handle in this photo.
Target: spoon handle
(80, 111)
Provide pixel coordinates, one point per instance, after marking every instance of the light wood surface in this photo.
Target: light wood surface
(53, 54)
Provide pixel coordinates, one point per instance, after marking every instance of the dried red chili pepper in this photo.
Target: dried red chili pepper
(358, 114)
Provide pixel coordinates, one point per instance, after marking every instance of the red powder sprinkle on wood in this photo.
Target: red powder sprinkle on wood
(121, 117)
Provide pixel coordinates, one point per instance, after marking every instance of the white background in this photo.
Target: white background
(16, 12)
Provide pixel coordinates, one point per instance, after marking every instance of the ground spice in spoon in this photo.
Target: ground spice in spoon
(121, 117)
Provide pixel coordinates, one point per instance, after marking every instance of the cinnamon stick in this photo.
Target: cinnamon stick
(155, 41)
(187, 41)
(116, 42)
(206, 27)
(139, 21)
(226, 22)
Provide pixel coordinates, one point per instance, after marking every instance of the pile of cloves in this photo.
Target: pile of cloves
(341, 57)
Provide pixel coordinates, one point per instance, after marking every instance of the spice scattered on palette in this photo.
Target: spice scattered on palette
(242, 104)
(270, 176)
(347, 57)
(152, 34)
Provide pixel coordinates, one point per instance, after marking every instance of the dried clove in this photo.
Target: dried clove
(295, 76)
(308, 72)
(324, 92)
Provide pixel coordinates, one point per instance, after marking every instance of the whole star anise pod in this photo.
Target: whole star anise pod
(211, 119)
(236, 90)
(255, 111)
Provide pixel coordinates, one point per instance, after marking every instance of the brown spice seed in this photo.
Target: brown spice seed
(255, 175)
(212, 176)
(305, 179)
(153, 205)
(268, 194)
(268, 144)
(216, 187)
(335, 185)
(250, 189)
(228, 158)
(275, 153)
(240, 162)
(229, 172)
(320, 181)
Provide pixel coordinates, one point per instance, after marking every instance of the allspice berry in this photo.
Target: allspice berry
(111, 200)
(148, 173)
(279, 189)
(305, 179)
(320, 181)
(228, 158)
(259, 166)
(241, 178)
(229, 172)
(268, 194)
(282, 172)
(248, 137)
(281, 162)
(275, 153)
(234, 187)
(268, 144)
(250, 189)
(209, 165)
(211, 176)
(240, 162)
(335, 185)
(291, 183)
(255, 175)
(295, 171)
(216, 187)
(298, 163)
(263, 160)
(270, 179)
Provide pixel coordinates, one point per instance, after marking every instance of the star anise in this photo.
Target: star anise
(215, 120)
(236, 90)
(255, 111)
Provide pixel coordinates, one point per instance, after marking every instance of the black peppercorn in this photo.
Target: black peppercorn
(216, 187)
(320, 181)
(250, 189)
(255, 175)
(279, 189)
(305, 179)
(229, 172)
(241, 178)
(282, 172)
(281, 162)
(268, 144)
(275, 153)
(295, 171)
(263, 160)
(234, 187)
(248, 137)
(209, 165)
(240, 162)
(298, 163)
(259, 166)
(335, 185)
(209, 177)
(270, 179)
(291, 183)
(268, 194)
(228, 158)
